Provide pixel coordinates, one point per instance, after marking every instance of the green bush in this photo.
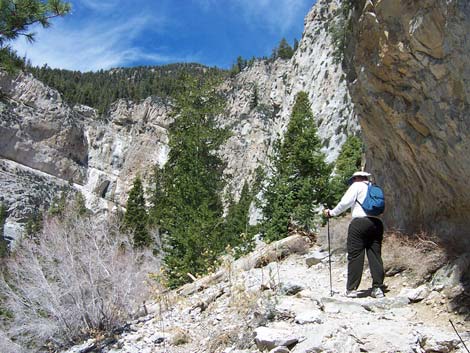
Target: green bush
(349, 161)
(136, 217)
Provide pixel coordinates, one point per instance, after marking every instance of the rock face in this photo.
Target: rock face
(46, 146)
(131, 141)
(411, 89)
(38, 130)
(312, 69)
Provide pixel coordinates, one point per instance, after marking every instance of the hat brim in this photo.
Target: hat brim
(350, 180)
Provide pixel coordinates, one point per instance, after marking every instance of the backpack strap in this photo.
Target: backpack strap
(368, 186)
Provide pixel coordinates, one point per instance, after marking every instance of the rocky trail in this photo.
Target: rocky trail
(278, 299)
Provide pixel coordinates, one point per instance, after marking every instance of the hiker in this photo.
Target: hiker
(365, 234)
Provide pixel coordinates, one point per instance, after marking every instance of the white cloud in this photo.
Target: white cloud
(276, 15)
(100, 5)
(92, 46)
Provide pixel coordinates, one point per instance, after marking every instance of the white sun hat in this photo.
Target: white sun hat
(361, 174)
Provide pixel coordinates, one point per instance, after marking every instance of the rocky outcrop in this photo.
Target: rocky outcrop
(131, 141)
(411, 63)
(312, 69)
(39, 130)
(46, 146)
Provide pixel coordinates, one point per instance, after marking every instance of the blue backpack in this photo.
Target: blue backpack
(374, 203)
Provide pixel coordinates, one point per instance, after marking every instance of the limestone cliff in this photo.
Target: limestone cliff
(411, 74)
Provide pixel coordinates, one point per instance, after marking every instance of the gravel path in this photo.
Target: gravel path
(286, 306)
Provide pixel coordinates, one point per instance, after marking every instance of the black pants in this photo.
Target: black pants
(365, 235)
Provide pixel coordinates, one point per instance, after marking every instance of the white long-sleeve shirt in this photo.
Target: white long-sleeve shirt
(357, 191)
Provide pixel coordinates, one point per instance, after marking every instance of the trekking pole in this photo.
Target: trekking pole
(329, 255)
(461, 340)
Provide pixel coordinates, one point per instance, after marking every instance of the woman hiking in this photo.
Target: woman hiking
(365, 234)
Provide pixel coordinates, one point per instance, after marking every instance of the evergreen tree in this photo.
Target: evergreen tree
(157, 198)
(192, 182)
(10, 61)
(241, 63)
(79, 205)
(299, 179)
(16, 16)
(136, 218)
(348, 161)
(254, 98)
(3, 242)
(284, 50)
(58, 204)
(237, 232)
(128, 83)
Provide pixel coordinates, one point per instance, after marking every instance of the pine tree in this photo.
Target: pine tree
(192, 217)
(58, 204)
(299, 179)
(238, 234)
(348, 161)
(296, 44)
(157, 199)
(136, 218)
(254, 101)
(16, 16)
(284, 50)
(3, 242)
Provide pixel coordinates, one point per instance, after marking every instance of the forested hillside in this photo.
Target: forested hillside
(99, 89)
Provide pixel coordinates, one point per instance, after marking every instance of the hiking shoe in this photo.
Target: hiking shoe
(377, 293)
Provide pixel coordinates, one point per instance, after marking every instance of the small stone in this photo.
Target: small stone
(315, 258)
(415, 294)
(291, 288)
(269, 338)
(309, 317)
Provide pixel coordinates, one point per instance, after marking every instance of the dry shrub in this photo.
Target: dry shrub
(76, 277)
(222, 340)
(180, 336)
(420, 255)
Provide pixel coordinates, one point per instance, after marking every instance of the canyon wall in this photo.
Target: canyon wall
(410, 66)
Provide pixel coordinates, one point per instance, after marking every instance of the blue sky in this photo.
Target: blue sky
(101, 34)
